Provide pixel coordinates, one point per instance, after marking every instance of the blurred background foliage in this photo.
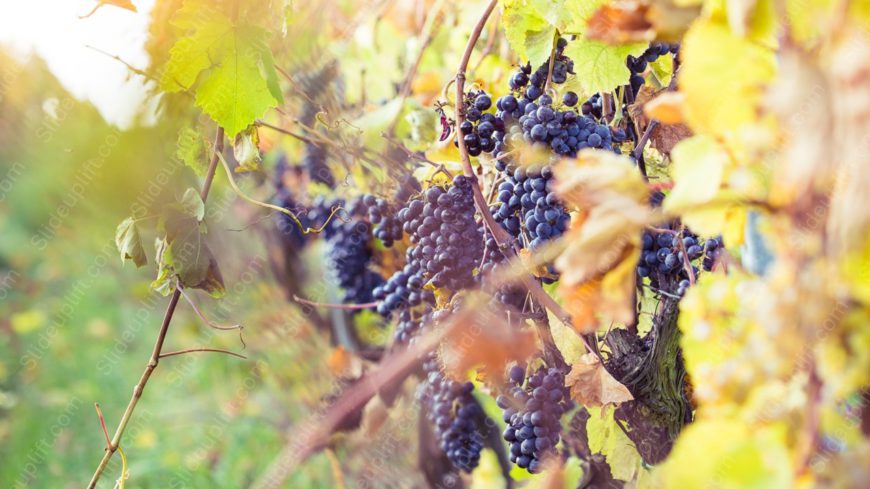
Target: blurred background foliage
(76, 327)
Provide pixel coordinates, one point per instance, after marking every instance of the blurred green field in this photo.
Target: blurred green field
(77, 327)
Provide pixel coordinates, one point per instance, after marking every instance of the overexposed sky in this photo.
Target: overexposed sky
(52, 30)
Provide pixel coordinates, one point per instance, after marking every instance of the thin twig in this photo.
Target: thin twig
(502, 239)
(200, 350)
(103, 424)
(161, 335)
(347, 307)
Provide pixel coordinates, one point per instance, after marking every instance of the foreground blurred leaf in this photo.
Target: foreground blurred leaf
(722, 77)
(603, 245)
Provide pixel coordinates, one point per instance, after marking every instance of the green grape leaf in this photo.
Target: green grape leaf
(183, 256)
(601, 66)
(129, 242)
(527, 32)
(191, 150)
(567, 16)
(235, 79)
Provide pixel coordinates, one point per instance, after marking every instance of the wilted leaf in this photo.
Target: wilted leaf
(247, 151)
(592, 385)
(129, 242)
(620, 23)
(191, 204)
(597, 177)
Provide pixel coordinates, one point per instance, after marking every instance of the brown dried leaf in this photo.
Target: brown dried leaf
(620, 23)
(592, 385)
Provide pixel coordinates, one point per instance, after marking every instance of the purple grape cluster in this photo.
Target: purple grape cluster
(533, 415)
(451, 407)
(663, 258)
(382, 213)
(637, 65)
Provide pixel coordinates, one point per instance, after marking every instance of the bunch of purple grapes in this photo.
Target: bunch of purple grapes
(533, 412)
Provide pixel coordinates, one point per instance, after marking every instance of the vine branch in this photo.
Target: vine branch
(503, 240)
(161, 335)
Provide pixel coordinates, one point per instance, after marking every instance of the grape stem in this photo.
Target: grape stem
(502, 239)
(161, 335)
(199, 350)
(348, 307)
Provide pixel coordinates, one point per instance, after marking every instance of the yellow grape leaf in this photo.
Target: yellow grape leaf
(722, 77)
(592, 385)
(729, 454)
(124, 4)
(608, 439)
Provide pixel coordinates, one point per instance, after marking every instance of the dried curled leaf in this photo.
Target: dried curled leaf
(597, 265)
(592, 385)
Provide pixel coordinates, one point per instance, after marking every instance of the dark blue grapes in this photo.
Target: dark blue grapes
(448, 241)
(665, 253)
(453, 410)
(349, 253)
(527, 207)
(638, 65)
(533, 414)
